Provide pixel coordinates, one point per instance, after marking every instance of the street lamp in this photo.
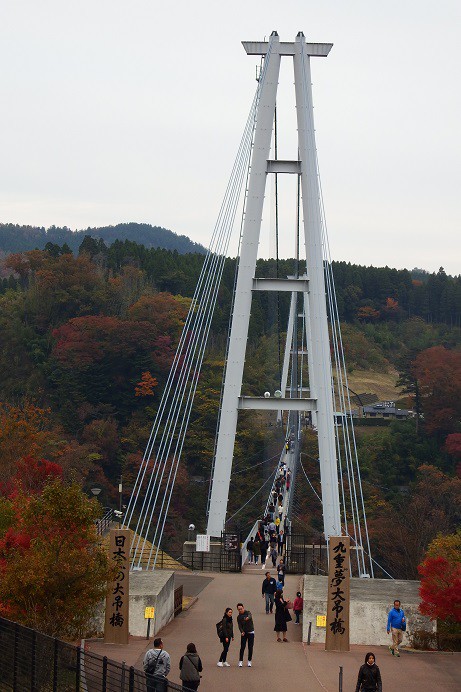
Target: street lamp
(96, 491)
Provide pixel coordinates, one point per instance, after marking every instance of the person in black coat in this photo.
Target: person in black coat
(227, 637)
(282, 616)
(369, 679)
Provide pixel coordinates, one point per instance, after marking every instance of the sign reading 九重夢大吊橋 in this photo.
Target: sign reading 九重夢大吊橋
(338, 599)
(117, 615)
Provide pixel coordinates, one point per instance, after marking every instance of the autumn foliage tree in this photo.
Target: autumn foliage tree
(53, 570)
(401, 535)
(438, 371)
(146, 386)
(440, 573)
(100, 359)
(24, 431)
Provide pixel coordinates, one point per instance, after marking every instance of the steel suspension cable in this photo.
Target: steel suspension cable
(190, 348)
(308, 104)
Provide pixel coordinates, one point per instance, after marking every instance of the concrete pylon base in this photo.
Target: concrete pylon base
(371, 600)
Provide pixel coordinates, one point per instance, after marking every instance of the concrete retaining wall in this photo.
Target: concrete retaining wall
(147, 588)
(371, 600)
(151, 588)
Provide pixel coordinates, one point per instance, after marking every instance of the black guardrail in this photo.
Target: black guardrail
(33, 662)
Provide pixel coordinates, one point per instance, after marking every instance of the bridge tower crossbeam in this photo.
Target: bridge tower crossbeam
(311, 285)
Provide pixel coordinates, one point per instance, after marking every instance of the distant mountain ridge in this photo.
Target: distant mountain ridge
(16, 238)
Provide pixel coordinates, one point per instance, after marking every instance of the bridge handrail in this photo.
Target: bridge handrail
(286, 498)
(103, 524)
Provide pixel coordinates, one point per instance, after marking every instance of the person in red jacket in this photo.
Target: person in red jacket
(298, 607)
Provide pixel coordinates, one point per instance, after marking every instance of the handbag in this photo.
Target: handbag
(403, 626)
(152, 666)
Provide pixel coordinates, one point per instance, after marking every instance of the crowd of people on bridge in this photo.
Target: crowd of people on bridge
(270, 539)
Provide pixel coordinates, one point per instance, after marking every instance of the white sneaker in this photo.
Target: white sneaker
(220, 664)
(240, 664)
(225, 663)
(249, 664)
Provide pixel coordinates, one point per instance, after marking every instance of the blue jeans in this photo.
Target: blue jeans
(269, 601)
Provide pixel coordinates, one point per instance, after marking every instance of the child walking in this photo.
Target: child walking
(298, 606)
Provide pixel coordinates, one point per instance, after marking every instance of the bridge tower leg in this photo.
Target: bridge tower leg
(320, 402)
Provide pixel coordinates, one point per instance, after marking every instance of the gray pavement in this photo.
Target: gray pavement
(294, 665)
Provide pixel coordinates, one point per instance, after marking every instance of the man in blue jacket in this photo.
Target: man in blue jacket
(396, 624)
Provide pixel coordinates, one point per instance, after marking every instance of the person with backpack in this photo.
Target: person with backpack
(157, 665)
(369, 679)
(190, 666)
(225, 629)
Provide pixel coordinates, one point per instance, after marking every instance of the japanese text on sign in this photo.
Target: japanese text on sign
(116, 623)
(337, 619)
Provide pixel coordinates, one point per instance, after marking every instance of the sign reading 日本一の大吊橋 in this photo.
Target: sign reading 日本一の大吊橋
(116, 629)
(338, 598)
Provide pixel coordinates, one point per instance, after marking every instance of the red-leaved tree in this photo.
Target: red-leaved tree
(440, 589)
(53, 570)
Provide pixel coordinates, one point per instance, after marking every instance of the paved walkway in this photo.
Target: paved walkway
(295, 665)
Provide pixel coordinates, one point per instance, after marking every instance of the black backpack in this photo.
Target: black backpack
(220, 630)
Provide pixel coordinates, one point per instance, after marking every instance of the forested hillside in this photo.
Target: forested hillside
(16, 238)
(87, 339)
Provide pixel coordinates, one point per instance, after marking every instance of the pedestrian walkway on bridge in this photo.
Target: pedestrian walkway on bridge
(293, 665)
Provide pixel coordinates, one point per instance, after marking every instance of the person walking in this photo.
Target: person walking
(396, 624)
(268, 589)
(247, 631)
(190, 666)
(280, 541)
(281, 571)
(273, 556)
(369, 679)
(282, 616)
(250, 550)
(264, 546)
(157, 665)
(256, 549)
(227, 637)
(298, 607)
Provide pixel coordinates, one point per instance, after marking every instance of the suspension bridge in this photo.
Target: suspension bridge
(313, 388)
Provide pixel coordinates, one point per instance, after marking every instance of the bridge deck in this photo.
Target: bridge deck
(294, 665)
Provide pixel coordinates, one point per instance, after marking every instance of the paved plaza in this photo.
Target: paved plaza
(294, 665)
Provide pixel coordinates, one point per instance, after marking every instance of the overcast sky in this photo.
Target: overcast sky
(116, 111)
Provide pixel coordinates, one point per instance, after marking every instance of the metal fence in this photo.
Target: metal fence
(103, 525)
(33, 662)
(303, 557)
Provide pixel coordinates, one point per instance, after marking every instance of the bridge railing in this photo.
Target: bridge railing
(104, 523)
(285, 456)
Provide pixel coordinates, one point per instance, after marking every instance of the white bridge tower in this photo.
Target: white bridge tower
(311, 284)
